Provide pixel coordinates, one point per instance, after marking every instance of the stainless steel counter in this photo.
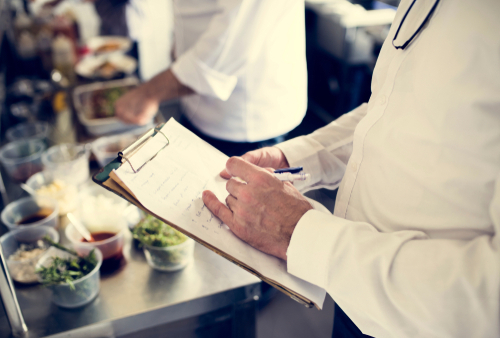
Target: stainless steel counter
(135, 297)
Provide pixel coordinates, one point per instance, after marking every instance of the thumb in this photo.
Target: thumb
(253, 157)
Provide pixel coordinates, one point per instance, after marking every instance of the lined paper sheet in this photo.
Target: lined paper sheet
(171, 185)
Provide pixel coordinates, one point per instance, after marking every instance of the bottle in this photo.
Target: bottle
(64, 58)
(22, 23)
(44, 48)
(26, 46)
(63, 131)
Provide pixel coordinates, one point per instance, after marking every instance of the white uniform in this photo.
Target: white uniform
(413, 248)
(245, 59)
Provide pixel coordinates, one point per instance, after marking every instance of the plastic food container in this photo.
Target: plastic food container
(68, 162)
(111, 248)
(32, 211)
(31, 130)
(82, 99)
(170, 258)
(101, 210)
(45, 184)
(106, 148)
(86, 288)
(23, 271)
(22, 159)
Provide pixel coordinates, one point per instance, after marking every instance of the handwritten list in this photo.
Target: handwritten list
(171, 186)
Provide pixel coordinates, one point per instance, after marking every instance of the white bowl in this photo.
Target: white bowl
(121, 43)
(88, 66)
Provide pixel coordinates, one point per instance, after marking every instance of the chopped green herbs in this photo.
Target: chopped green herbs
(104, 101)
(66, 270)
(153, 232)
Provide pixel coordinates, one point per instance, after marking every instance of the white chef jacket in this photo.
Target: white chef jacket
(245, 59)
(150, 23)
(413, 247)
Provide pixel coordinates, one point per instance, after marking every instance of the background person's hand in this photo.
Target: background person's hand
(263, 212)
(136, 106)
(268, 157)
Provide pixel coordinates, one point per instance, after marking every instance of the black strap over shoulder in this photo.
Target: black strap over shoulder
(407, 42)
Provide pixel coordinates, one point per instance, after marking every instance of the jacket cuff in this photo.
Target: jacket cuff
(195, 74)
(302, 151)
(308, 255)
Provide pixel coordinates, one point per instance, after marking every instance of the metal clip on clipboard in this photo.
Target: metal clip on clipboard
(126, 154)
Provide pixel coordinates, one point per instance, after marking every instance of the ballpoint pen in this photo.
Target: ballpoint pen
(291, 174)
(286, 176)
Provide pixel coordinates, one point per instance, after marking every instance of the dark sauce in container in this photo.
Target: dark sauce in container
(25, 171)
(112, 262)
(99, 236)
(36, 217)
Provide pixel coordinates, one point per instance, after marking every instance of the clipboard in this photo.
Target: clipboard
(106, 178)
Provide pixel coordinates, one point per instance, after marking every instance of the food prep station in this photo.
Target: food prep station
(50, 112)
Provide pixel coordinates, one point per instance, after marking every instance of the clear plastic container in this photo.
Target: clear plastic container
(68, 161)
(30, 130)
(86, 288)
(34, 208)
(106, 148)
(22, 159)
(45, 184)
(111, 248)
(23, 271)
(171, 258)
(101, 210)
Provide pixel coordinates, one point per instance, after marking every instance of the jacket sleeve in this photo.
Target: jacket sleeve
(403, 282)
(324, 154)
(235, 35)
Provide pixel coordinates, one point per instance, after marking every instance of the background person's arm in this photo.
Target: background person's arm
(211, 66)
(139, 105)
(235, 36)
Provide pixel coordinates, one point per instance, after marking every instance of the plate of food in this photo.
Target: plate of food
(100, 45)
(94, 104)
(106, 66)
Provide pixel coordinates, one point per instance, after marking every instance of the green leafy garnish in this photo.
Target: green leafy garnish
(153, 232)
(66, 270)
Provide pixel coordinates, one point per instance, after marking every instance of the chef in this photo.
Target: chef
(239, 69)
(413, 246)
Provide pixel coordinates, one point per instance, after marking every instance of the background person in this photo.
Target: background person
(239, 68)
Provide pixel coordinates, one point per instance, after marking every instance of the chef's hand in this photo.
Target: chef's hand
(137, 106)
(140, 105)
(263, 212)
(268, 157)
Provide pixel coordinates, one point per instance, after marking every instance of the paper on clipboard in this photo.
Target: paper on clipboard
(170, 187)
